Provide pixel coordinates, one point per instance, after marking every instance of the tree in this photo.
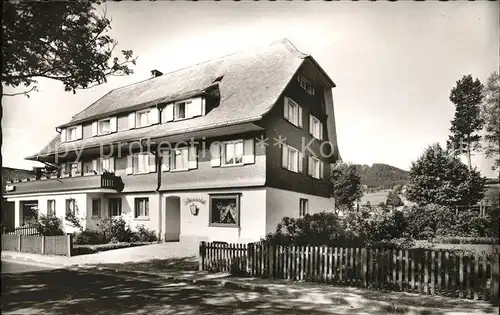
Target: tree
(59, 40)
(393, 199)
(467, 96)
(440, 178)
(346, 185)
(491, 116)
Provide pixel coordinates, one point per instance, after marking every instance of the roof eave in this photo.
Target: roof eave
(323, 72)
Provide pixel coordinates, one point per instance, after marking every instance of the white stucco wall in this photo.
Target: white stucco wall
(60, 199)
(284, 203)
(197, 228)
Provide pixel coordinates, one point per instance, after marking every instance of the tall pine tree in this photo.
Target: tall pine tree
(467, 96)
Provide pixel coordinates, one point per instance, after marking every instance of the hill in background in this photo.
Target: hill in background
(381, 176)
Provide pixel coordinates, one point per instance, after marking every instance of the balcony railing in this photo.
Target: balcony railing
(63, 183)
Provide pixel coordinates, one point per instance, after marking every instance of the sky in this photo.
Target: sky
(394, 64)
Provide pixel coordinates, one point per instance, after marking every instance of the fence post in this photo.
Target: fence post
(363, 266)
(202, 255)
(19, 243)
(249, 258)
(43, 245)
(494, 299)
(69, 243)
(271, 261)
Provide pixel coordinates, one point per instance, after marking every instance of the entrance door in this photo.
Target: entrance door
(172, 218)
(8, 215)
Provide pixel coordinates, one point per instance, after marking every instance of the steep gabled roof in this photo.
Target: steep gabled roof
(252, 81)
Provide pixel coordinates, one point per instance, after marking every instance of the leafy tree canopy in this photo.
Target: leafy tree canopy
(491, 116)
(440, 178)
(467, 96)
(59, 40)
(346, 184)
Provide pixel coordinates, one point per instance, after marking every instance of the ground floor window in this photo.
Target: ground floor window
(51, 207)
(96, 208)
(115, 207)
(224, 210)
(141, 207)
(70, 206)
(303, 207)
(29, 211)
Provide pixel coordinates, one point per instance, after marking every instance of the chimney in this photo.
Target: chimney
(155, 73)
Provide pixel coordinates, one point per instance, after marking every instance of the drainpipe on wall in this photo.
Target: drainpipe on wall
(158, 169)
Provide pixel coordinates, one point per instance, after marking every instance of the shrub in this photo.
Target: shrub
(466, 240)
(74, 220)
(114, 229)
(89, 237)
(143, 235)
(48, 225)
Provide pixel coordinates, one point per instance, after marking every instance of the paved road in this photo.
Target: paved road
(63, 291)
(11, 267)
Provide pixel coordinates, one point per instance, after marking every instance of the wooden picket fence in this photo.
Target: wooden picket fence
(435, 272)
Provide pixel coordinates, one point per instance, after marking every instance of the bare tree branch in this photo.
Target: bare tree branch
(21, 93)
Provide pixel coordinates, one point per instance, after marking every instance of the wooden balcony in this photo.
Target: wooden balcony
(104, 182)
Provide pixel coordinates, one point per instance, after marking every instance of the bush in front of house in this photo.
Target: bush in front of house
(89, 237)
(48, 225)
(143, 235)
(114, 229)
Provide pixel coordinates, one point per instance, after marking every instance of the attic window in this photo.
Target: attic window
(180, 110)
(305, 84)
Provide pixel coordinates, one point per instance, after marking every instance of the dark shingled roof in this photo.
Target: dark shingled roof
(252, 82)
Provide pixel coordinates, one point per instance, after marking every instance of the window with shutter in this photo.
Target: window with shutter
(232, 153)
(143, 118)
(291, 158)
(315, 127)
(293, 112)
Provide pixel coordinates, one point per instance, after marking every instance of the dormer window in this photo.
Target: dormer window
(180, 110)
(142, 119)
(183, 110)
(71, 134)
(305, 84)
(104, 126)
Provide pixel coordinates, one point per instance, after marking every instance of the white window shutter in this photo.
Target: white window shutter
(321, 131)
(130, 168)
(165, 165)
(311, 130)
(168, 113)
(113, 125)
(215, 154)
(154, 116)
(131, 120)
(94, 129)
(284, 156)
(194, 108)
(203, 106)
(301, 161)
(152, 163)
(248, 151)
(321, 169)
(63, 135)
(192, 157)
(79, 132)
(285, 108)
(299, 116)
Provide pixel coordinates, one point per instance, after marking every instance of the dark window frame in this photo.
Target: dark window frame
(118, 207)
(137, 201)
(237, 197)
